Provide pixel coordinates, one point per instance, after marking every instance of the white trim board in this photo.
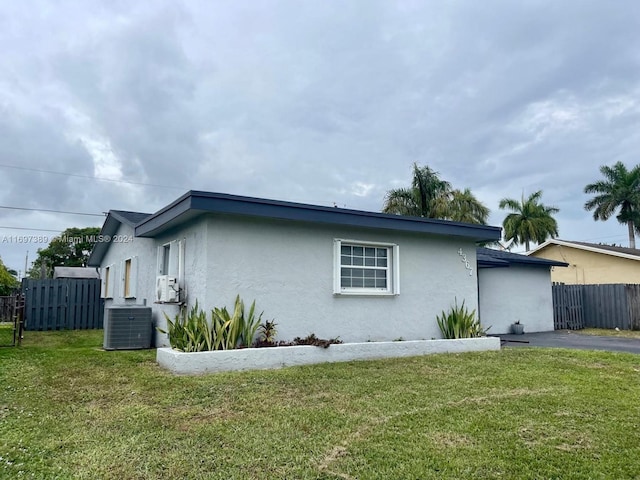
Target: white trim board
(564, 243)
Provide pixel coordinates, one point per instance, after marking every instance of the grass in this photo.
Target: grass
(6, 333)
(70, 410)
(609, 333)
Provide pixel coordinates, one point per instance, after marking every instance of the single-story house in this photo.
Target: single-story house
(334, 272)
(514, 287)
(590, 263)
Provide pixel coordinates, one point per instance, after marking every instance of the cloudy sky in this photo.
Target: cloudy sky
(127, 105)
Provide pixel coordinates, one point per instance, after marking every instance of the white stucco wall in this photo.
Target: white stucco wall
(145, 249)
(196, 253)
(516, 293)
(287, 268)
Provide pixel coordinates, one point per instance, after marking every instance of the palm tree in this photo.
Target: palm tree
(465, 207)
(431, 197)
(619, 191)
(529, 220)
(425, 197)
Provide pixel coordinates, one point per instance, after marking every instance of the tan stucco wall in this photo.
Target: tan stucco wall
(589, 267)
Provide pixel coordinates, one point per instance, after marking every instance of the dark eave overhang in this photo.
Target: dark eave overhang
(195, 203)
(110, 227)
(488, 258)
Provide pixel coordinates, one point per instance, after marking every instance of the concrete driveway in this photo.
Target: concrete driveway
(568, 339)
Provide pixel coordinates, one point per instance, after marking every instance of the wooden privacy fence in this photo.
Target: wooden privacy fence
(6, 308)
(11, 319)
(63, 303)
(596, 306)
(567, 307)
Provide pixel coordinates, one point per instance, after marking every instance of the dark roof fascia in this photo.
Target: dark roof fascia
(203, 202)
(114, 219)
(129, 218)
(517, 259)
(487, 262)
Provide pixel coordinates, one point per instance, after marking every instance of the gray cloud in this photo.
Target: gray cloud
(319, 102)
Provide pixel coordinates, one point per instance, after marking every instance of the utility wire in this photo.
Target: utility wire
(52, 211)
(173, 187)
(30, 229)
(92, 177)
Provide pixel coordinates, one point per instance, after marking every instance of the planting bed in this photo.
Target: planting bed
(277, 357)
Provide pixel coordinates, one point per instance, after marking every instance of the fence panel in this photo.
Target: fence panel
(63, 303)
(606, 306)
(7, 321)
(633, 298)
(567, 307)
(6, 308)
(596, 306)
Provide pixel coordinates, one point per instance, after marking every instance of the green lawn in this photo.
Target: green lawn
(6, 333)
(70, 410)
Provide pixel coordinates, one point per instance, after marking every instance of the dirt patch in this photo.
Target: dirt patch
(449, 439)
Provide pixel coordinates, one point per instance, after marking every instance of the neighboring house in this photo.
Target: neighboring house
(330, 271)
(515, 287)
(590, 263)
(75, 272)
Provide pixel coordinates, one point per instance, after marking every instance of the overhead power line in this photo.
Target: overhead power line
(52, 211)
(91, 177)
(30, 229)
(173, 187)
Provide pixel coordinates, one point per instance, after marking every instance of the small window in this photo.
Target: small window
(165, 259)
(366, 268)
(107, 281)
(169, 258)
(129, 277)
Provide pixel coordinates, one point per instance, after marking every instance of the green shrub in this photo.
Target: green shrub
(189, 332)
(233, 331)
(268, 331)
(460, 323)
(193, 333)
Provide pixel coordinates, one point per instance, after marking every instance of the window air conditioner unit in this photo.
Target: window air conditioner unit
(166, 289)
(127, 328)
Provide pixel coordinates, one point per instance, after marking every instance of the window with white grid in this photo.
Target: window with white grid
(366, 268)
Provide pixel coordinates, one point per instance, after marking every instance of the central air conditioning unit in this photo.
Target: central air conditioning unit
(166, 289)
(127, 328)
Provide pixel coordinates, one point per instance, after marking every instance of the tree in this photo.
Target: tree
(431, 197)
(70, 249)
(465, 207)
(618, 192)
(529, 220)
(423, 199)
(8, 282)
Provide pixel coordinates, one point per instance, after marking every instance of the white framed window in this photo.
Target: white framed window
(129, 278)
(170, 260)
(108, 279)
(366, 268)
(164, 259)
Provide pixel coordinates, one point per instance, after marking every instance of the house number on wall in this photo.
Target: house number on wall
(465, 261)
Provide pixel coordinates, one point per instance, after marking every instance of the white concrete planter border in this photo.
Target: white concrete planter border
(277, 357)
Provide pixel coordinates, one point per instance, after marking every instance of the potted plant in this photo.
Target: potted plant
(517, 328)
